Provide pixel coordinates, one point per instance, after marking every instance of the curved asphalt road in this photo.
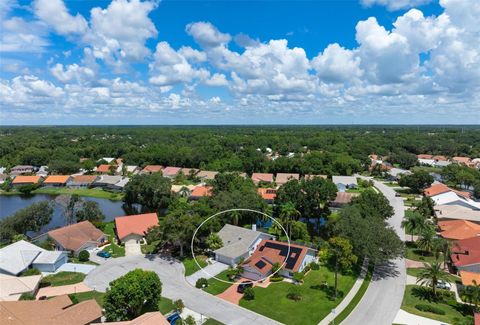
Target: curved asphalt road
(384, 295)
(174, 286)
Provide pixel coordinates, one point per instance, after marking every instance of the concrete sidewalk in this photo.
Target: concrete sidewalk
(207, 272)
(410, 319)
(348, 298)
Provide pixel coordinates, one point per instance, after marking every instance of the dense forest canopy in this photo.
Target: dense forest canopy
(318, 149)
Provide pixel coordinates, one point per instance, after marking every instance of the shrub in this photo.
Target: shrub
(298, 276)
(314, 266)
(276, 278)
(249, 294)
(83, 256)
(189, 320)
(201, 283)
(27, 296)
(430, 309)
(294, 293)
(179, 305)
(32, 271)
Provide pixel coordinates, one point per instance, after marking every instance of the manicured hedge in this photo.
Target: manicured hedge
(430, 309)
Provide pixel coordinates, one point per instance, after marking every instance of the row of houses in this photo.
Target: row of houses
(458, 220)
(442, 161)
(111, 182)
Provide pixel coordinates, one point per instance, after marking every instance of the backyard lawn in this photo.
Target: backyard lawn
(82, 296)
(316, 302)
(63, 278)
(114, 249)
(91, 192)
(412, 252)
(192, 267)
(216, 287)
(453, 310)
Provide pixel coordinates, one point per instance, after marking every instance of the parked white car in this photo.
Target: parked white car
(443, 285)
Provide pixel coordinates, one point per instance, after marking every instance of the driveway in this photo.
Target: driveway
(174, 286)
(207, 272)
(73, 267)
(384, 295)
(132, 248)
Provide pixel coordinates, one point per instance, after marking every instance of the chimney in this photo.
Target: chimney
(254, 227)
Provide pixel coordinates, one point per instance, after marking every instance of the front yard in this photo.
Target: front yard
(412, 252)
(63, 278)
(216, 287)
(453, 312)
(316, 300)
(192, 267)
(114, 249)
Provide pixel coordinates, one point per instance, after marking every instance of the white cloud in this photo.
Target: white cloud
(395, 4)
(218, 79)
(72, 73)
(206, 34)
(337, 64)
(20, 35)
(55, 14)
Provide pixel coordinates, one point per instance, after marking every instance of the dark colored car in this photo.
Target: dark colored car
(172, 319)
(104, 254)
(244, 285)
(398, 195)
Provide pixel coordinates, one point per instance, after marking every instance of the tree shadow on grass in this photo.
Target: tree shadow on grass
(329, 290)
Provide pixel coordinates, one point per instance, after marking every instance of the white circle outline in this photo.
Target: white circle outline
(231, 210)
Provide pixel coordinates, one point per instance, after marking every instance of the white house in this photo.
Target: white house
(344, 182)
(238, 243)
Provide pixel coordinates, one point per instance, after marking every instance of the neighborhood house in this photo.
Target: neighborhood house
(291, 259)
(26, 180)
(238, 243)
(79, 181)
(77, 237)
(262, 177)
(56, 180)
(344, 183)
(132, 229)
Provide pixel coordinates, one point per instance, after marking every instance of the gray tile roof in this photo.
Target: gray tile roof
(236, 240)
(18, 256)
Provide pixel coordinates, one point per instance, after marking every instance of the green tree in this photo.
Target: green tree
(299, 231)
(288, 213)
(426, 240)
(83, 256)
(373, 204)
(179, 305)
(249, 294)
(214, 242)
(441, 246)
(89, 210)
(341, 256)
(129, 294)
(430, 275)
(153, 192)
(417, 181)
(413, 222)
(472, 293)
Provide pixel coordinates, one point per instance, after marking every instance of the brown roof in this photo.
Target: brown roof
(187, 171)
(56, 311)
(311, 176)
(84, 179)
(135, 224)
(152, 169)
(171, 171)
(282, 178)
(26, 179)
(73, 237)
(458, 229)
(103, 168)
(440, 158)
(267, 193)
(344, 197)
(201, 191)
(462, 160)
(424, 156)
(206, 174)
(151, 318)
(54, 179)
(262, 177)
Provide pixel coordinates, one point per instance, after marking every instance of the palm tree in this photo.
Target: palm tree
(288, 213)
(413, 222)
(184, 191)
(441, 246)
(427, 236)
(235, 217)
(473, 294)
(431, 274)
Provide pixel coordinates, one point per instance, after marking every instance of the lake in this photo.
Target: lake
(9, 204)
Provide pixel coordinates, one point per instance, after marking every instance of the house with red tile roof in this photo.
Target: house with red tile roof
(458, 229)
(465, 254)
(262, 177)
(476, 319)
(201, 191)
(104, 169)
(150, 169)
(77, 237)
(82, 180)
(56, 180)
(132, 229)
(171, 172)
(293, 258)
(470, 278)
(466, 161)
(440, 158)
(440, 188)
(424, 156)
(268, 194)
(26, 180)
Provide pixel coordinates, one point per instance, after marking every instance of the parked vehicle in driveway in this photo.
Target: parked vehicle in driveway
(172, 319)
(443, 285)
(244, 285)
(104, 254)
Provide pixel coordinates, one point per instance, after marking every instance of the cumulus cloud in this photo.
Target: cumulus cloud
(207, 35)
(395, 4)
(20, 35)
(72, 73)
(56, 15)
(337, 64)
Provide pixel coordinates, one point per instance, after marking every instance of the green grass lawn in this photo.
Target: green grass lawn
(216, 287)
(165, 305)
(212, 321)
(453, 310)
(82, 296)
(63, 278)
(356, 299)
(114, 249)
(77, 261)
(316, 302)
(91, 192)
(416, 271)
(412, 252)
(192, 267)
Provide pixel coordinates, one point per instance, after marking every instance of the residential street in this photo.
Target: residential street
(174, 286)
(383, 298)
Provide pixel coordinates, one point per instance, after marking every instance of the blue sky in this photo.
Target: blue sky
(240, 62)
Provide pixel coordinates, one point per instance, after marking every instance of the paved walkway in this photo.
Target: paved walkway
(73, 267)
(348, 298)
(406, 318)
(384, 295)
(63, 290)
(174, 286)
(207, 272)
